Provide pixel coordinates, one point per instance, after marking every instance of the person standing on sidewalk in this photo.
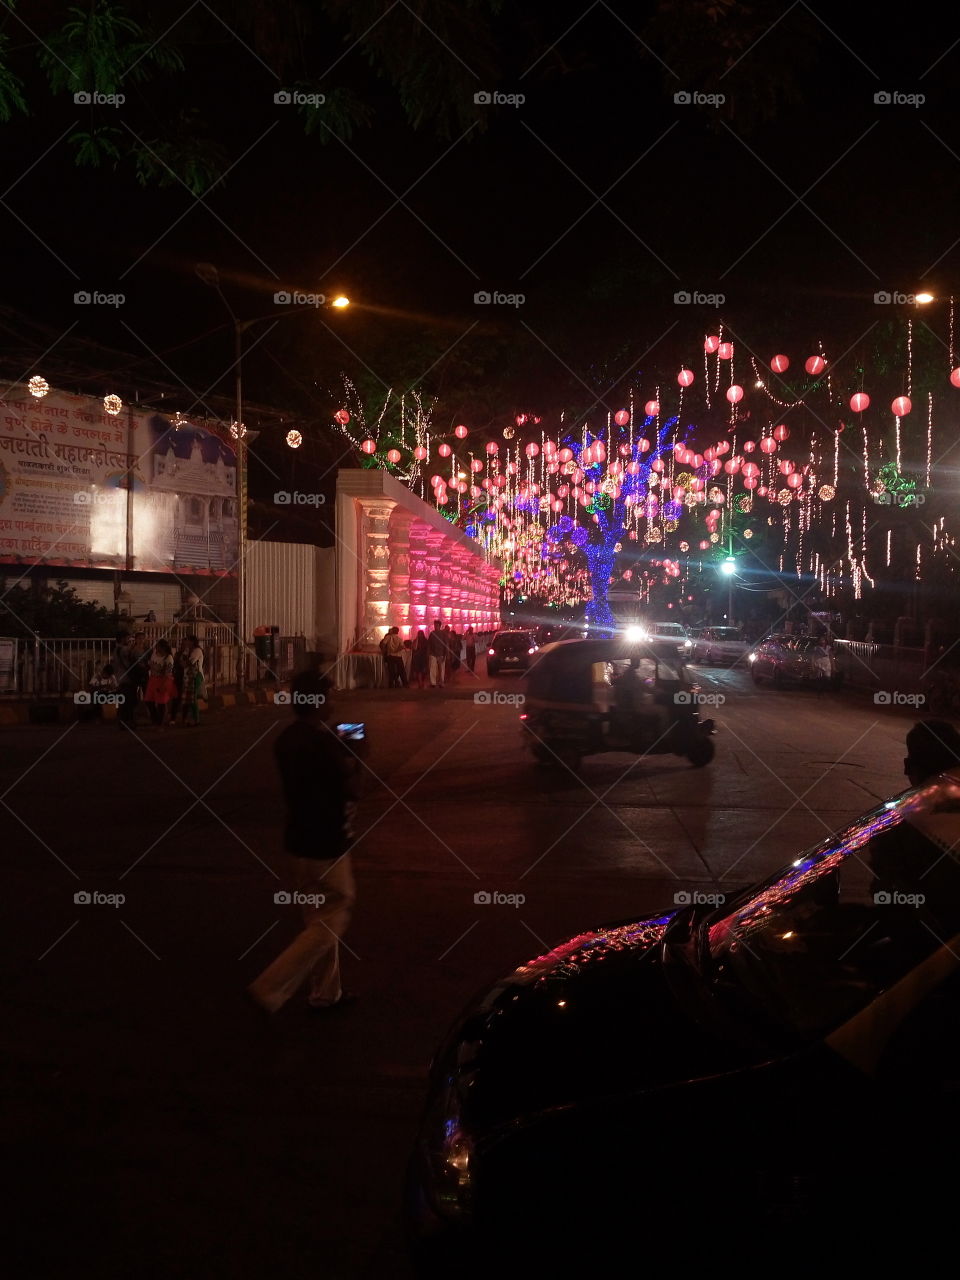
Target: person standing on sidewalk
(194, 686)
(317, 771)
(393, 652)
(470, 640)
(438, 652)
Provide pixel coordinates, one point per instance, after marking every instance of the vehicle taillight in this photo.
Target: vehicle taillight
(492, 653)
(531, 651)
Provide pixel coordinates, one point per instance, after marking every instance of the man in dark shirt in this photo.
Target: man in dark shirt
(316, 773)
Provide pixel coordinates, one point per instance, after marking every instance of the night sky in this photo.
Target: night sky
(597, 199)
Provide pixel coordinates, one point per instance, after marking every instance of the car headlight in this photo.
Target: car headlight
(751, 657)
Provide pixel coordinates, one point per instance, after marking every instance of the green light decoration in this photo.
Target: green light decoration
(893, 481)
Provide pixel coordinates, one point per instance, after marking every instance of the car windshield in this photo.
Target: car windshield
(515, 640)
(724, 633)
(846, 920)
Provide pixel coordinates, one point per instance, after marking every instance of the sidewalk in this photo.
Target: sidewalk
(65, 710)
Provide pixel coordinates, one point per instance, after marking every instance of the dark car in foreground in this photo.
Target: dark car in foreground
(796, 660)
(751, 1075)
(510, 651)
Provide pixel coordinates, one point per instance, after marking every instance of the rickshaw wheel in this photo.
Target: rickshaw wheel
(702, 753)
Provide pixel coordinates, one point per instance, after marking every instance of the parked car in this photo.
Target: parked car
(784, 659)
(755, 1070)
(510, 651)
(714, 645)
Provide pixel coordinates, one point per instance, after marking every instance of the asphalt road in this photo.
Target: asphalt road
(156, 1125)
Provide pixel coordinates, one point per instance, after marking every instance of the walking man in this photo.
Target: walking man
(439, 652)
(317, 774)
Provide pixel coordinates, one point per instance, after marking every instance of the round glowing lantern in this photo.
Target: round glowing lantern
(462, 486)
(369, 446)
(633, 468)
(657, 465)
(781, 433)
(476, 465)
(393, 455)
(762, 491)
(723, 446)
(860, 402)
(955, 377)
(532, 450)
(815, 365)
(768, 445)
(621, 417)
(493, 449)
(342, 417)
(794, 479)
(444, 451)
(565, 455)
(780, 364)
(461, 432)
(731, 467)
(704, 546)
(902, 406)
(624, 451)
(784, 467)
(685, 377)
(750, 469)
(725, 350)
(652, 407)
(749, 446)
(420, 453)
(734, 394)
(643, 445)
(711, 343)
(750, 482)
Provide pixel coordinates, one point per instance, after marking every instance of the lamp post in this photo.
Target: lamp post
(209, 274)
(728, 569)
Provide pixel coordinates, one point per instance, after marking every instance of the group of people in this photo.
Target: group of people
(434, 657)
(169, 682)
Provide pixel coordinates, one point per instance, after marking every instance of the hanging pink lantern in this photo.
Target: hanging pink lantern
(749, 446)
(476, 465)
(556, 506)
(781, 433)
(444, 451)
(565, 455)
(511, 468)
(784, 467)
(815, 365)
(768, 445)
(500, 481)
(860, 402)
(734, 394)
(621, 417)
(532, 450)
(794, 480)
(750, 469)
(599, 451)
(461, 432)
(731, 467)
(493, 449)
(955, 377)
(716, 466)
(393, 455)
(685, 377)
(750, 482)
(780, 364)
(704, 546)
(563, 490)
(462, 486)
(679, 493)
(369, 446)
(420, 453)
(902, 406)
(553, 468)
(725, 350)
(710, 344)
(679, 450)
(651, 408)
(643, 445)
(342, 417)
(633, 468)
(657, 465)
(696, 483)
(762, 491)
(723, 446)
(709, 455)
(624, 451)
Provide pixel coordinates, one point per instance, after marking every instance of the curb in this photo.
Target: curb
(65, 710)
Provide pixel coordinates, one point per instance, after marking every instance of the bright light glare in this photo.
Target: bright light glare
(636, 633)
(729, 566)
(924, 297)
(340, 301)
(751, 657)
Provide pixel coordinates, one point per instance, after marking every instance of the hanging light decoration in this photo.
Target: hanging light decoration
(461, 432)
(38, 387)
(112, 405)
(294, 439)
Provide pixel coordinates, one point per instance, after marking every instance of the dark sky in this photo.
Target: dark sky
(597, 199)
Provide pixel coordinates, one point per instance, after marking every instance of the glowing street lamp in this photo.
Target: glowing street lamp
(340, 301)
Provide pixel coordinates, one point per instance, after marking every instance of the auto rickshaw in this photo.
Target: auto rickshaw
(585, 697)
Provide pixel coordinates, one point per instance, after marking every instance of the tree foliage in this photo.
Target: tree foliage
(35, 608)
